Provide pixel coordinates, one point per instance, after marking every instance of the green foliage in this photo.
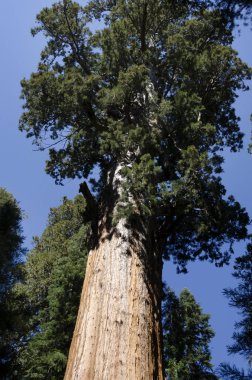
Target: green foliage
(10, 239)
(233, 10)
(187, 335)
(11, 256)
(152, 91)
(241, 298)
(50, 292)
(229, 372)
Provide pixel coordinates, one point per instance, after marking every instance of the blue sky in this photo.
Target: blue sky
(22, 169)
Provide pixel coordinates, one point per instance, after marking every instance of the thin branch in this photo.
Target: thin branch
(49, 146)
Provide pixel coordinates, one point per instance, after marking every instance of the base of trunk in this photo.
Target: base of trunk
(118, 331)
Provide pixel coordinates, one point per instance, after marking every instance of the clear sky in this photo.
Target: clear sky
(22, 169)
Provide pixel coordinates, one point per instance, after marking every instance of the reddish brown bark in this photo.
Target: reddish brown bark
(118, 333)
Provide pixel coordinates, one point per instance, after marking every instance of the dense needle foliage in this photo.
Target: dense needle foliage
(151, 91)
(48, 296)
(11, 256)
(187, 335)
(10, 240)
(241, 298)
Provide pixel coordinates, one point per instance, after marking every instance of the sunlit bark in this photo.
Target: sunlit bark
(118, 331)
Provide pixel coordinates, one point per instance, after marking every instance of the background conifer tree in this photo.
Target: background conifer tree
(11, 256)
(48, 296)
(187, 335)
(241, 298)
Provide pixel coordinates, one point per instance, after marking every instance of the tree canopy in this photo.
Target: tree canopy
(152, 90)
(236, 9)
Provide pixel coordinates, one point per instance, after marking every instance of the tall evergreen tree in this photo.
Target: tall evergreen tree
(148, 100)
(11, 256)
(187, 335)
(241, 298)
(49, 293)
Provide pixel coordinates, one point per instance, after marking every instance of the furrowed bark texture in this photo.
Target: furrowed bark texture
(117, 334)
(118, 330)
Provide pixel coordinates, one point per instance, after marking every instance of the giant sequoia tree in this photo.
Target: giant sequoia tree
(147, 101)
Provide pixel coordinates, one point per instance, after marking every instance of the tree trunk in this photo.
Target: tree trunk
(118, 330)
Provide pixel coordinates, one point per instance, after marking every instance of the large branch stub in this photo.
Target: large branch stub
(91, 202)
(91, 211)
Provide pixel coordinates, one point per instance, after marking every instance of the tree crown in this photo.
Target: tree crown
(153, 90)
